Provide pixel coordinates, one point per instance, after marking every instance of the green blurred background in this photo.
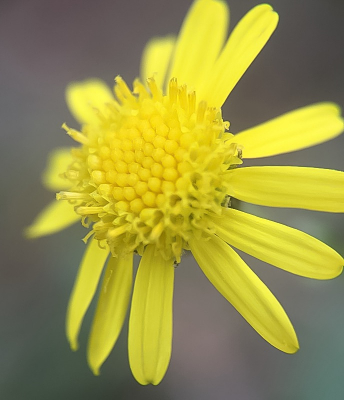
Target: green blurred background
(44, 44)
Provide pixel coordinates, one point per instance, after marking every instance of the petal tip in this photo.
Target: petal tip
(148, 381)
(93, 361)
(71, 337)
(338, 271)
(95, 369)
(74, 345)
(292, 348)
(29, 232)
(291, 343)
(268, 9)
(264, 7)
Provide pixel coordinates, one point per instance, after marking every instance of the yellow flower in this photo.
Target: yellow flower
(154, 173)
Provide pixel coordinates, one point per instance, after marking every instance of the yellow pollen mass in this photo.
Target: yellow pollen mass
(151, 168)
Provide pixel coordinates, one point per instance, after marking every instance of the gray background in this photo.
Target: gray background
(44, 44)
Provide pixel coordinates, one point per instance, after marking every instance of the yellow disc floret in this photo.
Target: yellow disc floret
(151, 169)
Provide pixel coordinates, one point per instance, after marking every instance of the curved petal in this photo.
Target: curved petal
(86, 99)
(245, 291)
(244, 44)
(156, 59)
(279, 245)
(56, 216)
(84, 288)
(150, 323)
(296, 187)
(58, 162)
(199, 42)
(111, 310)
(292, 131)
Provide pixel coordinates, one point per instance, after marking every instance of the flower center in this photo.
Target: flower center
(151, 169)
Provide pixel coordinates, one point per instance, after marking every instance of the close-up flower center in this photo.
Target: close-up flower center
(151, 168)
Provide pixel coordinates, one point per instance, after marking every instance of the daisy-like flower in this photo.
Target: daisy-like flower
(154, 172)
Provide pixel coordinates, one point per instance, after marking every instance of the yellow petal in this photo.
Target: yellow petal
(58, 162)
(156, 59)
(200, 40)
(245, 291)
(84, 288)
(56, 216)
(244, 44)
(295, 130)
(297, 187)
(284, 247)
(87, 99)
(150, 323)
(111, 310)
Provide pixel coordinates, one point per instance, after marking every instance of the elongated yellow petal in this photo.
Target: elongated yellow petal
(150, 324)
(84, 288)
(297, 187)
(245, 291)
(295, 130)
(87, 99)
(111, 310)
(284, 247)
(56, 216)
(156, 59)
(199, 42)
(244, 44)
(58, 162)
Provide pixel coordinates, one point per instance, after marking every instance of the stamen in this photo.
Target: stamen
(192, 102)
(72, 196)
(101, 226)
(76, 135)
(85, 221)
(157, 231)
(85, 239)
(89, 210)
(212, 114)
(114, 106)
(183, 100)
(122, 91)
(140, 90)
(202, 107)
(173, 90)
(156, 93)
(115, 232)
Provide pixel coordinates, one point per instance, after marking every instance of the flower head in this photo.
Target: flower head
(154, 172)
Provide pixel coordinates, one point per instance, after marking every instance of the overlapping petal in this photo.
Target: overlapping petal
(297, 187)
(111, 310)
(292, 131)
(156, 59)
(53, 218)
(87, 99)
(150, 324)
(199, 42)
(58, 161)
(277, 244)
(245, 291)
(244, 44)
(84, 289)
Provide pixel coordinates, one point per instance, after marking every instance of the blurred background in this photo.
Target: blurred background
(45, 44)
